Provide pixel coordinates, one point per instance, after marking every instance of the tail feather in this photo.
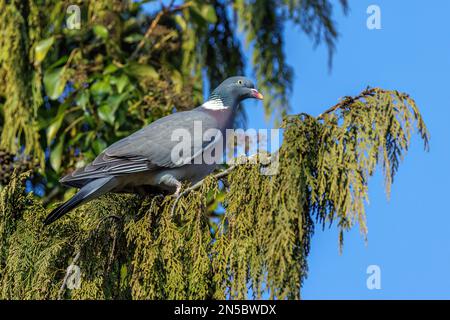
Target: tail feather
(88, 192)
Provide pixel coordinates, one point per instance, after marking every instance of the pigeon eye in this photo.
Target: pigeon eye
(240, 82)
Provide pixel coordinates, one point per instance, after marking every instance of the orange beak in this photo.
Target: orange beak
(257, 95)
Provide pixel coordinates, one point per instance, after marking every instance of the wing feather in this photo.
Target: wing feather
(148, 149)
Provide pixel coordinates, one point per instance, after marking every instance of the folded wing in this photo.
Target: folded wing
(149, 148)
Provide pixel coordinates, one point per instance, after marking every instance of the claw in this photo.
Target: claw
(178, 191)
(177, 196)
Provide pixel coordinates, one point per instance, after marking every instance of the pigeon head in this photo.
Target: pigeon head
(231, 92)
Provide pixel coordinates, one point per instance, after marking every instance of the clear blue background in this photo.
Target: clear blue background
(409, 236)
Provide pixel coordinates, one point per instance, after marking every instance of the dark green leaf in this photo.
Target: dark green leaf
(101, 87)
(42, 48)
(55, 82)
(100, 31)
(135, 37)
(56, 154)
(99, 145)
(142, 71)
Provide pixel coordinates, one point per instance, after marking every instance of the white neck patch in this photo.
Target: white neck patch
(215, 104)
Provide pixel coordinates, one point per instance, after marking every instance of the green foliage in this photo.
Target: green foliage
(343, 146)
(22, 80)
(132, 247)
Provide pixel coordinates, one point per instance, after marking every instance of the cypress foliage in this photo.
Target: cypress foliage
(141, 248)
(19, 22)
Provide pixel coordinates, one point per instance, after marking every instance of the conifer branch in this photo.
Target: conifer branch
(164, 11)
(262, 239)
(348, 100)
(66, 277)
(198, 185)
(219, 175)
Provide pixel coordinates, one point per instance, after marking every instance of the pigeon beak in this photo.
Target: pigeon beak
(257, 95)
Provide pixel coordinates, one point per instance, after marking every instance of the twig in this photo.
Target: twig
(77, 255)
(349, 100)
(198, 185)
(217, 176)
(52, 194)
(113, 216)
(66, 277)
(148, 33)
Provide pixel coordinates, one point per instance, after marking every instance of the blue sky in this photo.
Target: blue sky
(409, 236)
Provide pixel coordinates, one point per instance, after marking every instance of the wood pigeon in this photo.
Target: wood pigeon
(144, 161)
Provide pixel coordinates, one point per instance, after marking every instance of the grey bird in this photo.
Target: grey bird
(144, 161)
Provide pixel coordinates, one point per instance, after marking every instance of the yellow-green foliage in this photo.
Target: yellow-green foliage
(132, 247)
(21, 80)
